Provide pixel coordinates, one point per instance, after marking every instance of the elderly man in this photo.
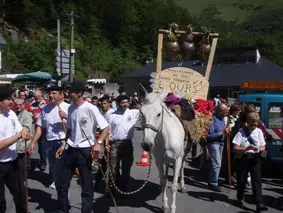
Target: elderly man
(216, 139)
(22, 95)
(25, 119)
(36, 108)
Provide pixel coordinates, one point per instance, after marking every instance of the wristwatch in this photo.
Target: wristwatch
(100, 142)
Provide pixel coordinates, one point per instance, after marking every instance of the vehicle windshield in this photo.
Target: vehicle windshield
(275, 115)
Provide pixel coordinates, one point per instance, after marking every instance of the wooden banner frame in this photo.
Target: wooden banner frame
(210, 58)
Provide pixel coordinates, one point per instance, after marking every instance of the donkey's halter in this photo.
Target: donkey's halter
(151, 127)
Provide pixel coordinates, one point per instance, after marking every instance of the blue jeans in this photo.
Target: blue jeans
(216, 150)
(71, 159)
(50, 148)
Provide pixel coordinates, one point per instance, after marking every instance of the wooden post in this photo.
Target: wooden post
(159, 52)
(228, 145)
(26, 177)
(159, 60)
(210, 59)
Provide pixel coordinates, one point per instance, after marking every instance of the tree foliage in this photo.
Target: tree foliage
(116, 36)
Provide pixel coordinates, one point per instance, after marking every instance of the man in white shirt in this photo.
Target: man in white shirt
(217, 100)
(106, 109)
(51, 125)
(122, 123)
(82, 122)
(21, 148)
(10, 132)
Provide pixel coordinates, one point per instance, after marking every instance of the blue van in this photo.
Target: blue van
(270, 108)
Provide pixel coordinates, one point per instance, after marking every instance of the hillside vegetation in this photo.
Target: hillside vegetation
(117, 36)
(230, 10)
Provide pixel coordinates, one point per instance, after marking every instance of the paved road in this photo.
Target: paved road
(197, 199)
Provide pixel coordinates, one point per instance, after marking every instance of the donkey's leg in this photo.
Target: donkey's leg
(182, 187)
(163, 183)
(182, 177)
(174, 187)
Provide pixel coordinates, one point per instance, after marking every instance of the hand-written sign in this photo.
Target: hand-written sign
(184, 80)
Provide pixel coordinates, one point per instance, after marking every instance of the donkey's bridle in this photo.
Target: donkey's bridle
(150, 126)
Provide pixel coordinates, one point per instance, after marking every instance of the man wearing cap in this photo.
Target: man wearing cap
(52, 121)
(11, 131)
(135, 101)
(82, 122)
(122, 123)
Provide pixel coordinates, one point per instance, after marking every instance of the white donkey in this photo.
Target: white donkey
(164, 135)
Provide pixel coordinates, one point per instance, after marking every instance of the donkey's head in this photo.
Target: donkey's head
(152, 117)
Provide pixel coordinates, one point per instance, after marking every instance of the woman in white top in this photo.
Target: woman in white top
(249, 143)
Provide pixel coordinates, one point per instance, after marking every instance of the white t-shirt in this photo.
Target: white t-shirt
(114, 105)
(107, 114)
(9, 126)
(242, 140)
(15, 121)
(50, 120)
(217, 101)
(83, 121)
(122, 124)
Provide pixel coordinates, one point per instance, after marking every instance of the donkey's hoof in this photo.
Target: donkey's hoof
(182, 189)
(165, 209)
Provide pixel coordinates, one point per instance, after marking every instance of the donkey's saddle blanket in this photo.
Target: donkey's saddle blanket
(180, 107)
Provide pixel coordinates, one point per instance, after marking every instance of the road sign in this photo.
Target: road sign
(64, 65)
(65, 53)
(63, 61)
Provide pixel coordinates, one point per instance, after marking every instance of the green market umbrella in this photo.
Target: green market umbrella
(36, 76)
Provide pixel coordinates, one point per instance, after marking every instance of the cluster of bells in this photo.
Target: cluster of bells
(189, 46)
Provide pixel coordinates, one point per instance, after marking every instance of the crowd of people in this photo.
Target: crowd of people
(242, 124)
(64, 126)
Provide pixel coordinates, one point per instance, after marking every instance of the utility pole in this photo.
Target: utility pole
(72, 51)
(59, 49)
(3, 9)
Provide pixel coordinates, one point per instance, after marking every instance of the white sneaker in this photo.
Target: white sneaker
(52, 186)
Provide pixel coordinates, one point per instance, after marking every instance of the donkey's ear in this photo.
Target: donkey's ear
(142, 92)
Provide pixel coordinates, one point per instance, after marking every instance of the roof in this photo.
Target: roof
(222, 75)
(8, 76)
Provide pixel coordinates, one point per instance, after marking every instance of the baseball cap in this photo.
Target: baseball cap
(5, 93)
(77, 86)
